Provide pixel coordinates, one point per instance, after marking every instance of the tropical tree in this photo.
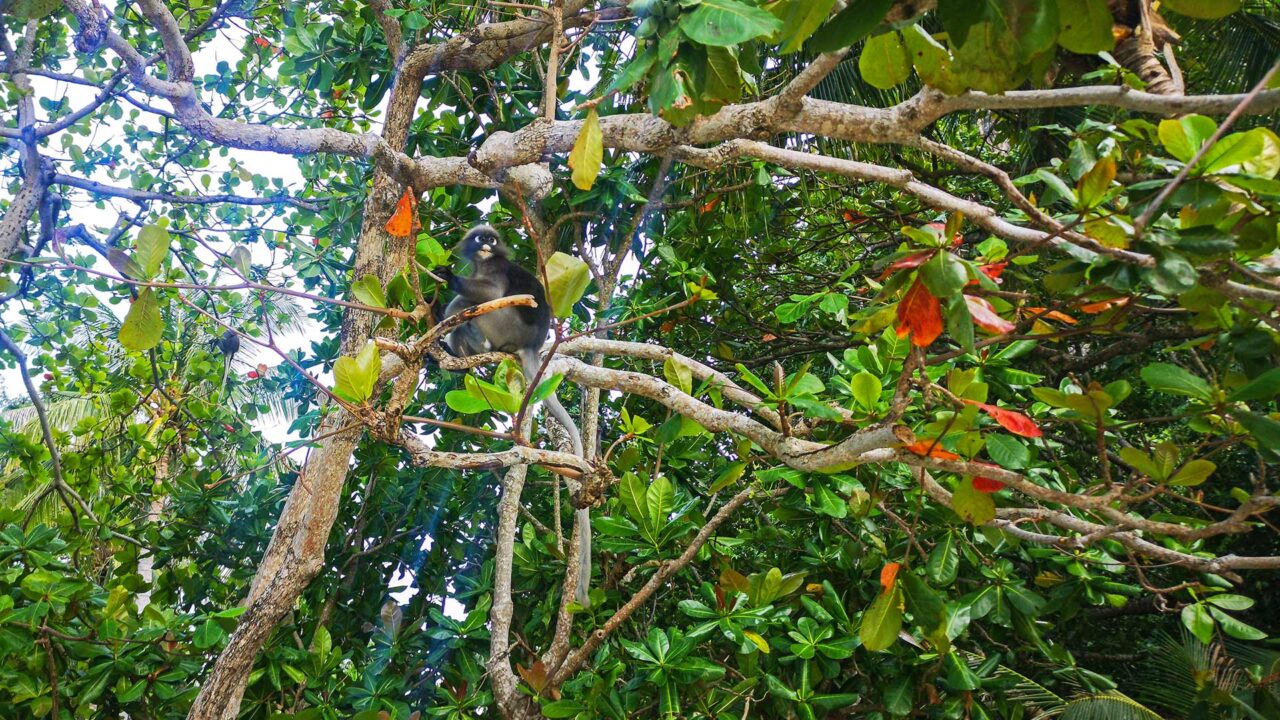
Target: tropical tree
(924, 354)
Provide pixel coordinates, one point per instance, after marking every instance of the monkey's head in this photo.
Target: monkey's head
(481, 243)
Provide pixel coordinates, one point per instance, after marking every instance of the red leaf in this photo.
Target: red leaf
(911, 261)
(710, 205)
(992, 270)
(919, 314)
(985, 317)
(261, 41)
(252, 374)
(888, 574)
(401, 222)
(987, 485)
(1014, 422)
(931, 448)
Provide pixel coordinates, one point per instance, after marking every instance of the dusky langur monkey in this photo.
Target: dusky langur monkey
(518, 330)
(228, 345)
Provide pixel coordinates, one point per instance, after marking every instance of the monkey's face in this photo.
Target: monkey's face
(482, 246)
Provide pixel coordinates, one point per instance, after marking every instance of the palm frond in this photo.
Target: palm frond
(1109, 705)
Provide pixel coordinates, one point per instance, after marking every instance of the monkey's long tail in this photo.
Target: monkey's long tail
(529, 359)
(226, 369)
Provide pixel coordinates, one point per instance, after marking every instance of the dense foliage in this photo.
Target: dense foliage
(958, 400)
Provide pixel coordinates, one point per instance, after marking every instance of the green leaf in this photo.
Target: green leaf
(924, 603)
(463, 402)
(242, 259)
(678, 374)
(1084, 26)
(1173, 274)
(826, 502)
(562, 709)
(143, 326)
(1196, 619)
(728, 476)
(1193, 473)
(884, 62)
(882, 621)
(1093, 185)
(659, 499)
(588, 152)
(799, 19)
(567, 280)
(401, 293)
(1228, 601)
(153, 248)
(972, 506)
(354, 377)
(943, 564)
(208, 634)
(1184, 136)
(1266, 164)
(546, 388)
(866, 390)
(960, 322)
(724, 76)
(635, 70)
(1263, 429)
(631, 491)
(1142, 462)
(957, 16)
(1263, 387)
(1007, 451)
(1164, 377)
(1202, 9)
(1230, 153)
(944, 275)
(1236, 628)
(34, 9)
(727, 22)
(932, 61)
(368, 290)
(850, 25)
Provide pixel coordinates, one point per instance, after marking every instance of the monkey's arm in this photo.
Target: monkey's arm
(476, 290)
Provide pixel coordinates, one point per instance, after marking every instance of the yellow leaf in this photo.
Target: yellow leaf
(759, 641)
(587, 153)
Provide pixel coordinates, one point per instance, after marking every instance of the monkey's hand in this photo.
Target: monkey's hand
(445, 275)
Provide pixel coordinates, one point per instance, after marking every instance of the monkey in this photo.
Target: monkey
(518, 330)
(228, 345)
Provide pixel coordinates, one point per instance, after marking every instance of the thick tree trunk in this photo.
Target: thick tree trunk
(296, 552)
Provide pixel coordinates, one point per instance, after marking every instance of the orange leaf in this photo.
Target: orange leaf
(985, 317)
(1105, 305)
(910, 261)
(261, 41)
(1014, 422)
(1050, 314)
(401, 222)
(919, 314)
(768, 337)
(888, 574)
(931, 448)
(987, 485)
(711, 204)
